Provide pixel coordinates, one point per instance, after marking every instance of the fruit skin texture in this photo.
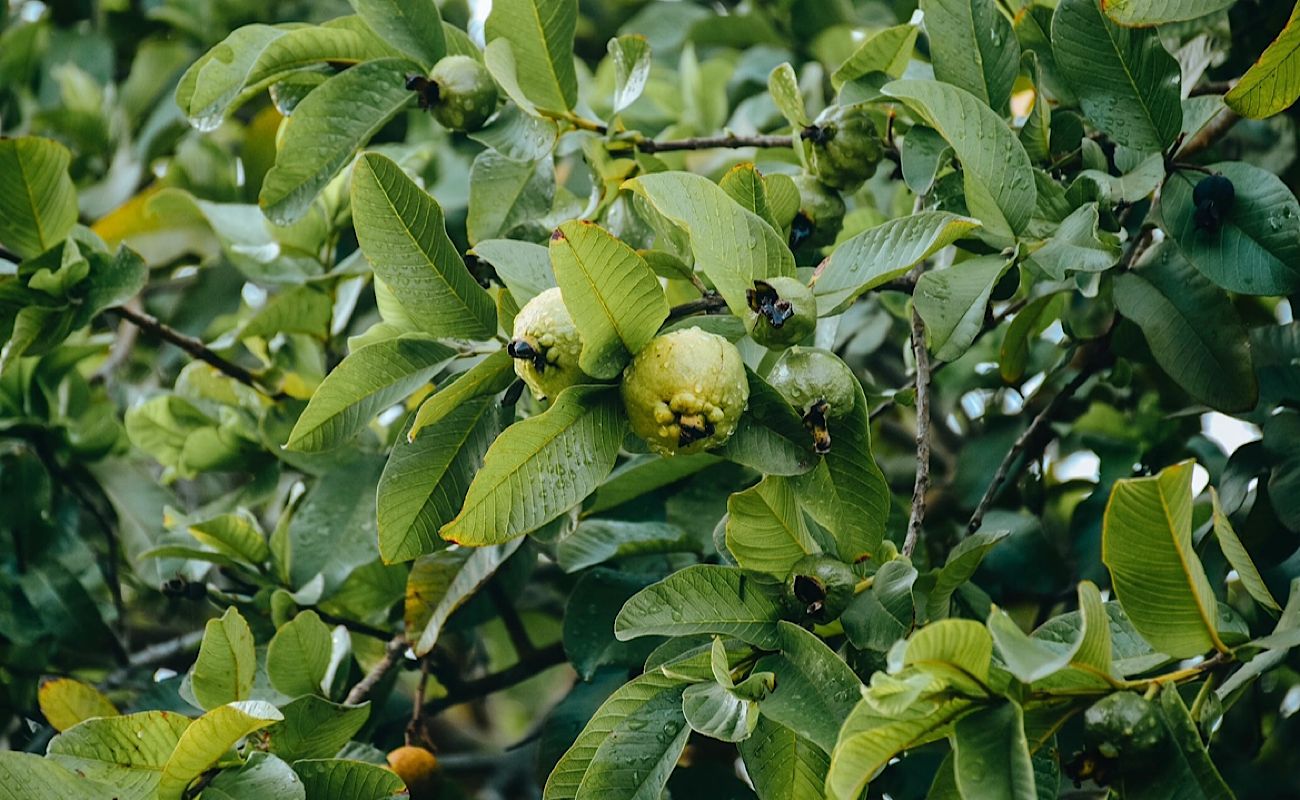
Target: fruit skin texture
(819, 588)
(418, 769)
(545, 345)
(845, 147)
(821, 214)
(782, 311)
(685, 391)
(1123, 726)
(819, 385)
(464, 93)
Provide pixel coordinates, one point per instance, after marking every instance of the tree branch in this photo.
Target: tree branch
(515, 629)
(463, 692)
(922, 484)
(729, 140)
(708, 304)
(392, 655)
(194, 347)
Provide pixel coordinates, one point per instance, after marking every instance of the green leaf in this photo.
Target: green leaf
(957, 651)
(401, 230)
(1192, 328)
(846, 493)
(732, 245)
(783, 86)
(783, 765)
(1026, 658)
(627, 710)
(509, 197)
(1141, 13)
(207, 739)
(996, 172)
(1027, 325)
(973, 47)
(631, 54)
(441, 582)
(369, 380)
(1238, 557)
(1185, 771)
(643, 474)
(126, 752)
(1256, 249)
(313, 727)
(703, 599)
(38, 203)
(262, 775)
(719, 712)
(962, 562)
(1078, 244)
(224, 670)
(1126, 82)
(991, 754)
(952, 303)
(884, 614)
(516, 134)
(815, 688)
(524, 267)
(237, 535)
(1271, 84)
(325, 131)
(879, 255)
(343, 779)
(613, 296)
(887, 51)
(298, 657)
(412, 26)
(27, 775)
(747, 186)
(67, 701)
(766, 531)
(588, 633)
(1146, 543)
(332, 530)
(425, 480)
(488, 377)
(769, 437)
(541, 467)
(541, 34)
(596, 541)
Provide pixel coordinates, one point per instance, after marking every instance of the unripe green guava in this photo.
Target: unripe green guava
(820, 216)
(545, 346)
(460, 93)
(844, 147)
(819, 385)
(685, 391)
(819, 588)
(782, 312)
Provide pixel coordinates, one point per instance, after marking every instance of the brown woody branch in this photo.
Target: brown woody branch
(922, 484)
(392, 655)
(465, 691)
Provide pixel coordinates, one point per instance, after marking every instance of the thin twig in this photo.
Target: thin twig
(194, 347)
(415, 731)
(514, 624)
(352, 625)
(543, 659)
(392, 655)
(922, 484)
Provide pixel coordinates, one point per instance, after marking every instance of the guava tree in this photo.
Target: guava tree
(637, 399)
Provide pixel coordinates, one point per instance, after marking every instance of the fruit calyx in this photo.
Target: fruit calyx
(819, 588)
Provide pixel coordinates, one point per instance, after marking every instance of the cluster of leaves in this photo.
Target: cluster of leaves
(266, 392)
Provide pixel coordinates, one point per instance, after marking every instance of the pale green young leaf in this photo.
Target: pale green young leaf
(1142, 13)
(766, 531)
(1026, 658)
(488, 377)
(1271, 84)
(126, 752)
(613, 296)
(402, 232)
(996, 172)
(595, 541)
(506, 195)
(783, 86)
(441, 582)
(541, 467)
(887, 51)
(1079, 244)
(346, 779)
(1239, 557)
(631, 54)
(732, 245)
(1029, 323)
(1146, 543)
(38, 203)
(369, 380)
(748, 187)
(412, 26)
(1126, 82)
(957, 651)
(973, 47)
(782, 764)
(1036, 133)
(64, 702)
(541, 34)
(299, 654)
(236, 534)
(313, 727)
(719, 712)
(207, 739)
(703, 599)
(952, 302)
(226, 664)
(880, 254)
(991, 754)
(262, 775)
(325, 131)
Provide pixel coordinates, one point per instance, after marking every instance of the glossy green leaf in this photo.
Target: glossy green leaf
(237, 534)
(371, 379)
(509, 197)
(401, 230)
(1256, 249)
(595, 541)
(524, 267)
(1126, 82)
(1029, 323)
(991, 754)
(814, 688)
(1239, 557)
(226, 665)
(783, 86)
(1026, 658)
(747, 186)
(126, 752)
(38, 203)
(952, 303)
(703, 599)
(588, 633)
(345, 779)
(1141, 13)
(1192, 328)
(412, 26)
(541, 467)
(887, 51)
(332, 530)
(631, 54)
(1186, 770)
(884, 614)
(488, 377)
(207, 739)
(541, 34)
(1079, 244)
(1271, 84)
(325, 131)
(425, 480)
(732, 245)
(613, 296)
(766, 531)
(441, 582)
(973, 47)
(262, 775)
(299, 655)
(719, 712)
(782, 764)
(769, 437)
(1147, 546)
(883, 253)
(313, 727)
